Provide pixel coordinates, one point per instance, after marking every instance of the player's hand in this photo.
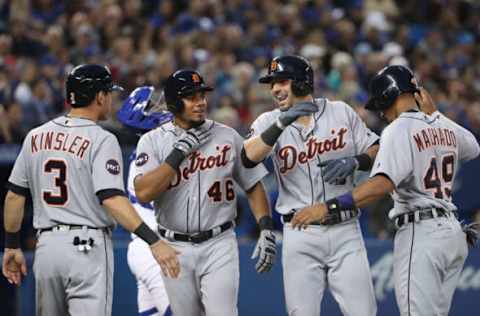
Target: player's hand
(426, 101)
(192, 140)
(300, 109)
(166, 257)
(14, 265)
(338, 169)
(308, 215)
(265, 250)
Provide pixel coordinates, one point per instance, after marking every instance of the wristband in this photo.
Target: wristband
(266, 222)
(12, 240)
(343, 202)
(271, 134)
(146, 234)
(175, 158)
(364, 162)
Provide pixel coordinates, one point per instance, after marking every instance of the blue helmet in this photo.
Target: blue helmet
(142, 110)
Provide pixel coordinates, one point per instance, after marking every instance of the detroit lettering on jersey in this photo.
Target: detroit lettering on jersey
(428, 137)
(199, 162)
(60, 141)
(289, 156)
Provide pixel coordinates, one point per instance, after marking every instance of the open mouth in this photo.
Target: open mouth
(281, 97)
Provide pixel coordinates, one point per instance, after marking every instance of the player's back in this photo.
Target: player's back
(428, 150)
(68, 162)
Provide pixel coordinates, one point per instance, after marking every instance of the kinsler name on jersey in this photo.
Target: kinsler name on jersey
(434, 137)
(289, 156)
(199, 162)
(73, 144)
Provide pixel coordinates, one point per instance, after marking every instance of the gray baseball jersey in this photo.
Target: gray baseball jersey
(69, 165)
(65, 163)
(336, 132)
(320, 256)
(420, 155)
(202, 195)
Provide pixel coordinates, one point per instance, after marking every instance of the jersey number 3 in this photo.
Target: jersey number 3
(60, 167)
(440, 182)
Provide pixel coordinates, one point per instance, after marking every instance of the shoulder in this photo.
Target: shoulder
(269, 117)
(396, 129)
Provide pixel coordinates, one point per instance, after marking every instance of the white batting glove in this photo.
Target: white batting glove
(192, 140)
(265, 250)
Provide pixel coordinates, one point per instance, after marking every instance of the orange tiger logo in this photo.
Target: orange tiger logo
(273, 66)
(196, 78)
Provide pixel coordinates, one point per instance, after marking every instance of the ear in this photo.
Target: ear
(100, 98)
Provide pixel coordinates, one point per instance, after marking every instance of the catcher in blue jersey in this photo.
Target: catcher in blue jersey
(143, 111)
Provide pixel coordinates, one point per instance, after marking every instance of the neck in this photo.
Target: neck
(304, 120)
(405, 103)
(84, 112)
(186, 124)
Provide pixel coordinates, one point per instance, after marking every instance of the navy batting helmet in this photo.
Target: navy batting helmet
(387, 85)
(85, 81)
(295, 68)
(180, 84)
(143, 110)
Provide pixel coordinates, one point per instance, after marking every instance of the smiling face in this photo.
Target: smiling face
(194, 111)
(281, 90)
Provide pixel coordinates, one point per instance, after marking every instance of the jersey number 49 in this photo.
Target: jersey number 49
(440, 183)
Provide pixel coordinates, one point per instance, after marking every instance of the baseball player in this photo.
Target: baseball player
(73, 170)
(417, 162)
(142, 111)
(187, 168)
(316, 145)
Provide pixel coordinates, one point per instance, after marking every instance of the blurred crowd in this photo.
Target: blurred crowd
(230, 42)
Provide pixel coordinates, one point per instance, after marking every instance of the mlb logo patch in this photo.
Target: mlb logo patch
(141, 159)
(113, 167)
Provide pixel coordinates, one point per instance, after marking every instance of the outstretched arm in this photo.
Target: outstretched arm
(368, 192)
(124, 213)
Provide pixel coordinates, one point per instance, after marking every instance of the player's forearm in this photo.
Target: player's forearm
(372, 151)
(123, 212)
(126, 215)
(13, 212)
(256, 149)
(372, 190)
(257, 198)
(148, 186)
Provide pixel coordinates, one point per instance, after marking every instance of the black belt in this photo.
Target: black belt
(196, 238)
(329, 220)
(422, 215)
(69, 227)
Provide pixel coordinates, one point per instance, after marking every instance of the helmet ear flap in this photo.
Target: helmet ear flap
(300, 88)
(177, 107)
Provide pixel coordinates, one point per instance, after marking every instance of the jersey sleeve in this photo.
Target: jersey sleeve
(260, 124)
(147, 159)
(397, 167)
(246, 177)
(468, 147)
(362, 135)
(107, 167)
(18, 180)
